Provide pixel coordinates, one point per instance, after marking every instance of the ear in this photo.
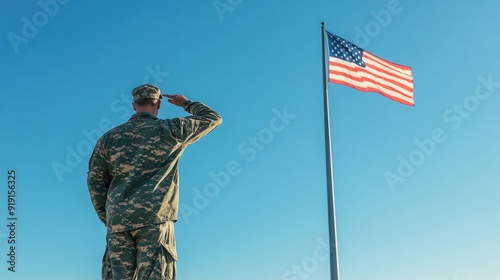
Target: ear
(133, 106)
(158, 104)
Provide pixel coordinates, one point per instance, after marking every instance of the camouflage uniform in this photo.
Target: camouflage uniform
(133, 182)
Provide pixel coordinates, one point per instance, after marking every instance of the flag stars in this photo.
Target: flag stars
(345, 50)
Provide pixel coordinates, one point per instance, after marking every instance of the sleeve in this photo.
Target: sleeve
(98, 180)
(190, 129)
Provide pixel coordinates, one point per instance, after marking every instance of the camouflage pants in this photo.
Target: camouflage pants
(146, 253)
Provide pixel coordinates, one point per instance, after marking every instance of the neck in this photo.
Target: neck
(150, 110)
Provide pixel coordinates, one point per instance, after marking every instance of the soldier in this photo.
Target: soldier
(133, 181)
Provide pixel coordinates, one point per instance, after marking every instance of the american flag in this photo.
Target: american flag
(352, 66)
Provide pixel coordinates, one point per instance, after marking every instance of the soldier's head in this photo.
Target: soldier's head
(147, 98)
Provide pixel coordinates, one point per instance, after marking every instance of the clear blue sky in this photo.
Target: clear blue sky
(256, 209)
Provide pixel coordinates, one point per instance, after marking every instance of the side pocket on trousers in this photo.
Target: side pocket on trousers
(164, 266)
(170, 250)
(106, 266)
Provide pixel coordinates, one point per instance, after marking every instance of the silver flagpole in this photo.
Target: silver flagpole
(334, 262)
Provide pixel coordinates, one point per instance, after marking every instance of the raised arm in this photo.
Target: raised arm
(192, 128)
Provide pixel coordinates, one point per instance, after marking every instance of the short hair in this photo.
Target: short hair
(145, 102)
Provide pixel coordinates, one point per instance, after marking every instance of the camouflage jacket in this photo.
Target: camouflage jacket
(133, 171)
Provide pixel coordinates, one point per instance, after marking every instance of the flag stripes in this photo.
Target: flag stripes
(354, 67)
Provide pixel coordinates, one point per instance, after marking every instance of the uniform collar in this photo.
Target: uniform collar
(142, 115)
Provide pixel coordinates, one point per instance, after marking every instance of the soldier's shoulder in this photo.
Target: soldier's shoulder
(115, 131)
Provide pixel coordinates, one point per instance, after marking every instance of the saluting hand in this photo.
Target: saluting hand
(176, 99)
